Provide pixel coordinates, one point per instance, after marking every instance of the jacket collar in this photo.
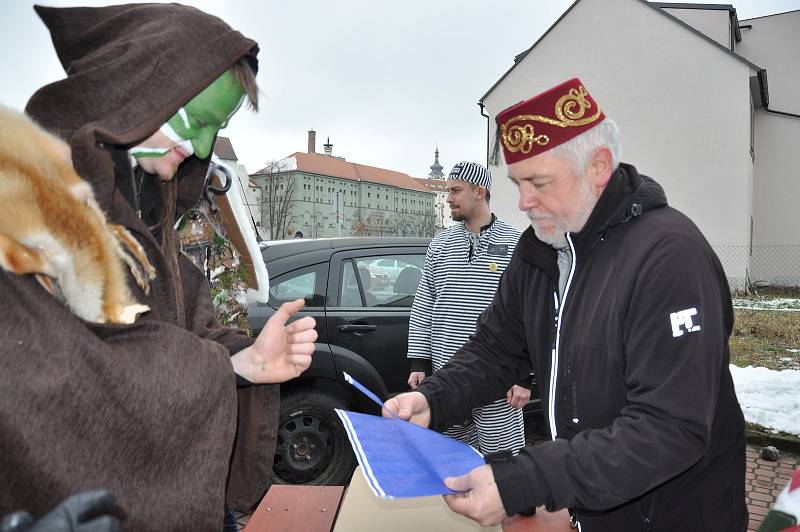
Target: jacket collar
(489, 225)
(627, 196)
(538, 254)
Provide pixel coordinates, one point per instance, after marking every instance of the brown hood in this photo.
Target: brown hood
(129, 69)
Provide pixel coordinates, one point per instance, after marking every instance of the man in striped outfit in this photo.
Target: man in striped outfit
(461, 273)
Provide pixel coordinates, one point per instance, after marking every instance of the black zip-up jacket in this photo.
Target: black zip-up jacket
(632, 369)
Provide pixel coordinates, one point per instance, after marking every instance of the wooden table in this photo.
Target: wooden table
(290, 508)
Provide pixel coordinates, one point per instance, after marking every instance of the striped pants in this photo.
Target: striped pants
(492, 428)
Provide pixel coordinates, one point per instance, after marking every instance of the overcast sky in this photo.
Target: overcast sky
(386, 81)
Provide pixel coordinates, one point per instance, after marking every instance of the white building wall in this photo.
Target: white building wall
(772, 43)
(776, 219)
(681, 103)
(715, 23)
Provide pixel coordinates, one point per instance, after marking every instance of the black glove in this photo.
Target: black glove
(84, 512)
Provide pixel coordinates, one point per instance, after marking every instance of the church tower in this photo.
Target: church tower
(436, 168)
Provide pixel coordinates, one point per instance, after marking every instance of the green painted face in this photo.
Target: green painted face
(199, 120)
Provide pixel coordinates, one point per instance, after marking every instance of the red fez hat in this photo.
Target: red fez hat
(547, 120)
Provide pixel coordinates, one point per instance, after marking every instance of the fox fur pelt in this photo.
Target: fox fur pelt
(51, 227)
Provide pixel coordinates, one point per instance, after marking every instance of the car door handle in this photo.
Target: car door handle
(357, 328)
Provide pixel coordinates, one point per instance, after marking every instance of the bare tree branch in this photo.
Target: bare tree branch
(277, 199)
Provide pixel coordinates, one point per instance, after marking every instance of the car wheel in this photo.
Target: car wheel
(312, 445)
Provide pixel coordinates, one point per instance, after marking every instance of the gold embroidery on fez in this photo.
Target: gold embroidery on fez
(521, 138)
(570, 110)
(565, 108)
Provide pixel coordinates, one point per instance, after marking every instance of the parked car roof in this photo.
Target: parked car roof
(276, 249)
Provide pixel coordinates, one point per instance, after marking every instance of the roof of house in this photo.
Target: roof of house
(652, 5)
(432, 185)
(771, 15)
(315, 163)
(734, 19)
(681, 5)
(224, 149)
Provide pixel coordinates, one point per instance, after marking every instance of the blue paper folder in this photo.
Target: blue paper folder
(400, 459)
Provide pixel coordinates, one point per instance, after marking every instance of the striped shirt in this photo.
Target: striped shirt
(458, 282)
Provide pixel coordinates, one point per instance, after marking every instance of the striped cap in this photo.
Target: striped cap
(472, 173)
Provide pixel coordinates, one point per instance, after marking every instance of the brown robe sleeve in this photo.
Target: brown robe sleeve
(258, 408)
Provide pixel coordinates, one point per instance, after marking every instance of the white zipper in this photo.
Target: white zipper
(551, 407)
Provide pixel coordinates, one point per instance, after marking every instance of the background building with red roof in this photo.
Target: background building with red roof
(310, 194)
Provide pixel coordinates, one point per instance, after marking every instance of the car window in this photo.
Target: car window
(386, 281)
(305, 283)
(349, 295)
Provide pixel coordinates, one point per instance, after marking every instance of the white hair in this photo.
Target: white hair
(579, 150)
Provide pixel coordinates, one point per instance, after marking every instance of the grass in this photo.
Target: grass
(765, 338)
(756, 432)
(771, 339)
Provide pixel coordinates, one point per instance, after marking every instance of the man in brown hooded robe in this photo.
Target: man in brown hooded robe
(147, 411)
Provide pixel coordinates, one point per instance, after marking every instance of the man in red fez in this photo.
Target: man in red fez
(619, 305)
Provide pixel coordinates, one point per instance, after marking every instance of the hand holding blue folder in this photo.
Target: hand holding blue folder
(400, 459)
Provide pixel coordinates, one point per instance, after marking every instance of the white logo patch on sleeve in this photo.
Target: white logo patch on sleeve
(682, 322)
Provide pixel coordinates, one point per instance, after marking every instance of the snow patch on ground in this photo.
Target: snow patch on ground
(781, 304)
(769, 398)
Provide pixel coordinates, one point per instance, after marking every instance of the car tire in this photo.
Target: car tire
(312, 446)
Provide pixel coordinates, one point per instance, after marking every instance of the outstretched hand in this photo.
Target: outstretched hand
(281, 352)
(479, 498)
(410, 406)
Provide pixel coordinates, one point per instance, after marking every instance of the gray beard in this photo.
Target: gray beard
(573, 224)
(557, 240)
